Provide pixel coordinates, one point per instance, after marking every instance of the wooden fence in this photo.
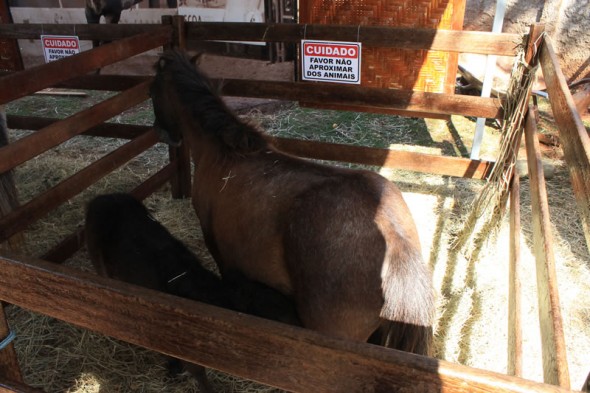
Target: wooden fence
(300, 360)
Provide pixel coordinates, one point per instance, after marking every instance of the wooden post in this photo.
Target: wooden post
(181, 181)
(10, 59)
(572, 133)
(287, 357)
(9, 368)
(514, 293)
(555, 367)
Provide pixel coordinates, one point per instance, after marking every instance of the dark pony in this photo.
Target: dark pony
(340, 242)
(126, 243)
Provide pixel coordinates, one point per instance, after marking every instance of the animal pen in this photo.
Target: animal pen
(286, 357)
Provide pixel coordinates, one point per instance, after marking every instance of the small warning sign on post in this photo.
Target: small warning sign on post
(326, 61)
(56, 47)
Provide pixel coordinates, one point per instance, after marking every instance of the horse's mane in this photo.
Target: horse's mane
(207, 108)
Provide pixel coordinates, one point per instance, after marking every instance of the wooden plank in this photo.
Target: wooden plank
(380, 100)
(30, 146)
(269, 352)
(23, 83)
(32, 31)
(451, 166)
(419, 162)
(109, 130)
(103, 82)
(371, 36)
(326, 93)
(10, 58)
(72, 243)
(514, 287)
(98, 81)
(514, 291)
(572, 133)
(555, 367)
(28, 213)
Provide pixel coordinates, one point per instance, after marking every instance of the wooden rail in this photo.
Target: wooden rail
(322, 93)
(20, 218)
(74, 242)
(555, 367)
(28, 147)
(109, 130)
(33, 31)
(386, 158)
(269, 352)
(572, 133)
(23, 83)
(514, 284)
(501, 44)
(359, 96)
(9, 386)
(378, 36)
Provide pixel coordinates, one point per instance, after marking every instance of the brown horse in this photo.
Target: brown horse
(341, 242)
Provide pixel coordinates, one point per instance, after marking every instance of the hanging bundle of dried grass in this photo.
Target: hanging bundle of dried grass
(489, 207)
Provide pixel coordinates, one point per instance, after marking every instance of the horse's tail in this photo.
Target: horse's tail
(409, 301)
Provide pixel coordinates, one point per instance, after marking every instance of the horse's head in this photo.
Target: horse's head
(166, 102)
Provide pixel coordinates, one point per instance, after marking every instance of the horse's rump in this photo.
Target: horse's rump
(353, 254)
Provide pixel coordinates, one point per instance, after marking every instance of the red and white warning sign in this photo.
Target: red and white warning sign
(56, 47)
(327, 61)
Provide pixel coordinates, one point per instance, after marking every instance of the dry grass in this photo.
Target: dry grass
(471, 326)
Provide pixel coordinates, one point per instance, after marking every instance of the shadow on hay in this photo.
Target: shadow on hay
(453, 293)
